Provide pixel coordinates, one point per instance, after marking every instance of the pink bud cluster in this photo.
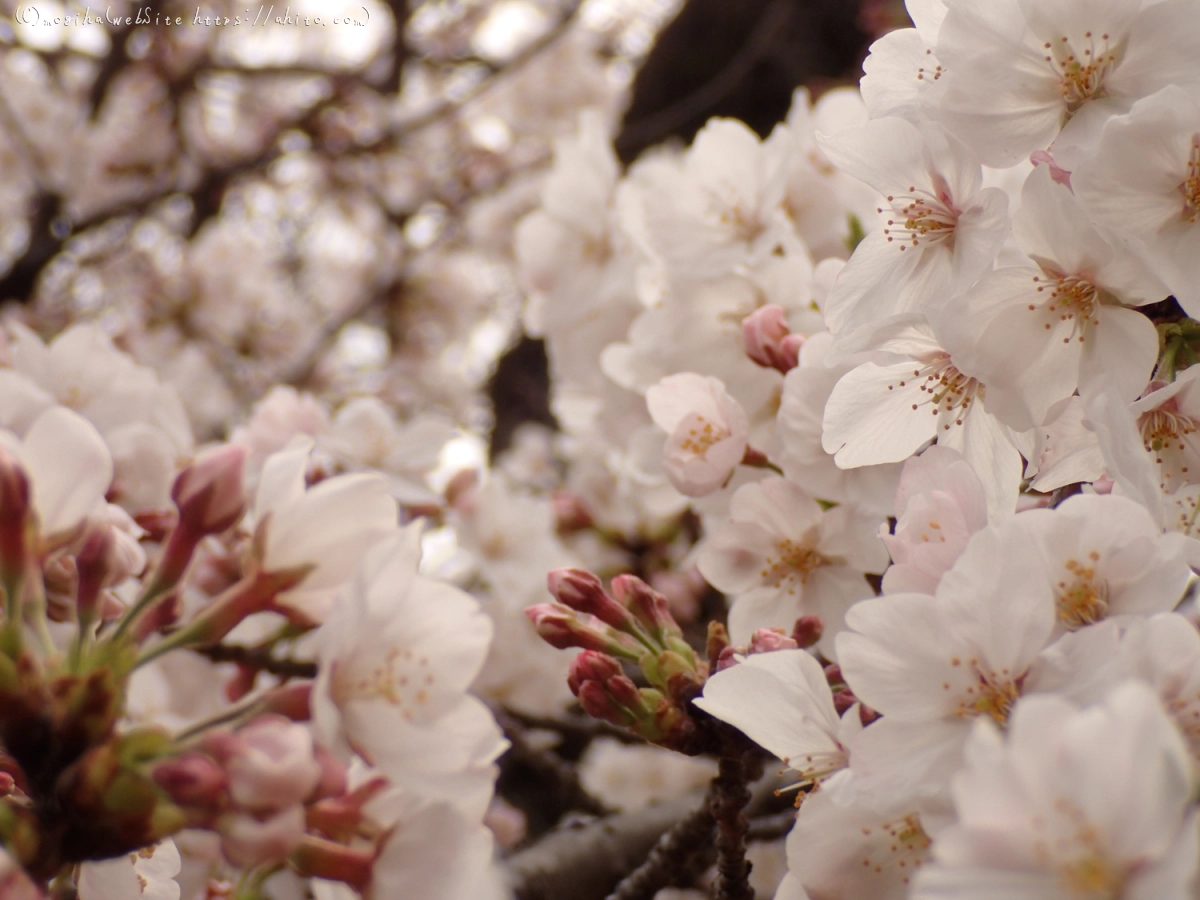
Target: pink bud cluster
(252, 786)
(633, 623)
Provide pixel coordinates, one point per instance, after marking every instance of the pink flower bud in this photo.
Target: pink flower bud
(564, 628)
(768, 340)
(334, 777)
(582, 591)
(597, 704)
(650, 607)
(273, 765)
(843, 700)
(192, 780)
(591, 666)
(209, 492)
(808, 631)
(766, 640)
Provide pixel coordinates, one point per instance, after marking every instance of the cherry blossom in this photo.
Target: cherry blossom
(1143, 181)
(1038, 814)
(1020, 76)
(939, 504)
(1058, 324)
(707, 431)
(783, 557)
(943, 228)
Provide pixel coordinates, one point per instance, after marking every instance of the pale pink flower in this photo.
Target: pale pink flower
(782, 557)
(1021, 75)
(939, 504)
(1143, 181)
(1039, 814)
(707, 431)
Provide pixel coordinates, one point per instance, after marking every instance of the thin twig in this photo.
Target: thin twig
(259, 658)
(448, 107)
(669, 863)
(549, 767)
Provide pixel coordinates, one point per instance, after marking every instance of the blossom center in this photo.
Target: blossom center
(398, 679)
(1091, 876)
(921, 217)
(1081, 71)
(906, 843)
(1081, 599)
(795, 561)
(1164, 427)
(993, 694)
(702, 435)
(949, 392)
(1073, 299)
(1191, 184)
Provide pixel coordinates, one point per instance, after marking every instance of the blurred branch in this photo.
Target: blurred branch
(259, 658)
(575, 726)
(772, 827)
(528, 53)
(678, 858)
(728, 798)
(588, 862)
(548, 768)
(664, 122)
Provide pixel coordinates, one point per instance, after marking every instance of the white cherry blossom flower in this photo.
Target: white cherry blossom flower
(1149, 452)
(1057, 323)
(1106, 556)
(1020, 74)
(331, 525)
(783, 557)
(396, 660)
(69, 470)
(365, 435)
(1062, 452)
(806, 390)
(148, 874)
(881, 414)
(718, 206)
(1164, 652)
(707, 431)
(939, 504)
(1039, 814)
(849, 843)
(933, 664)
(1144, 180)
(902, 67)
(782, 701)
(142, 421)
(942, 227)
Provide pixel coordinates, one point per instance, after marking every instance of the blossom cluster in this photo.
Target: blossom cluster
(966, 449)
(223, 663)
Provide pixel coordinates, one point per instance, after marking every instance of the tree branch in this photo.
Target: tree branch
(729, 798)
(259, 658)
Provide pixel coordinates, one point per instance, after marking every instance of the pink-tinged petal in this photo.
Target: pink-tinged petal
(1119, 355)
(888, 154)
(731, 558)
(782, 703)
(866, 289)
(70, 467)
(871, 419)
